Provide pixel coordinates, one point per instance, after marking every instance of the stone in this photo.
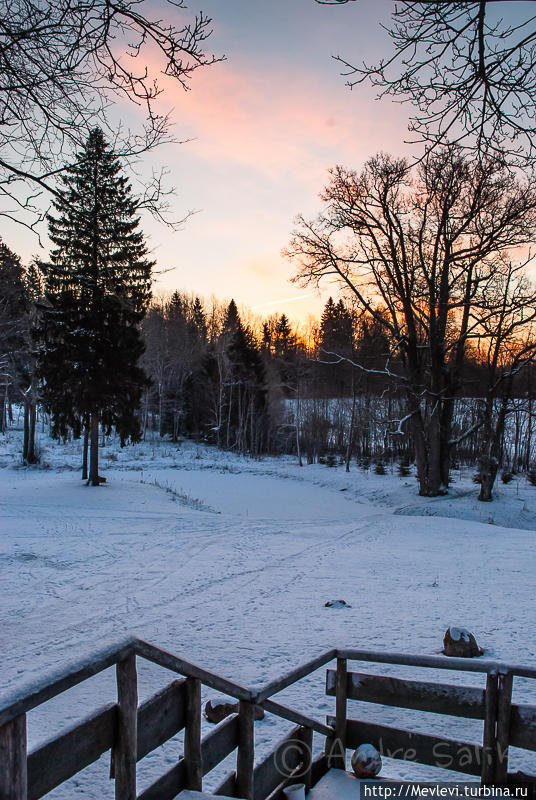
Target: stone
(366, 761)
(460, 643)
(337, 604)
(218, 710)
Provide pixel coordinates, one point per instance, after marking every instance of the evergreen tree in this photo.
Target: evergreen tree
(336, 343)
(13, 312)
(97, 289)
(198, 321)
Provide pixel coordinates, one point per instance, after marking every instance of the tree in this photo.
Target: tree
(13, 310)
(507, 346)
(469, 67)
(63, 64)
(97, 289)
(245, 386)
(417, 246)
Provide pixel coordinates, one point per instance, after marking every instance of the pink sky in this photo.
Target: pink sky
(266, 126)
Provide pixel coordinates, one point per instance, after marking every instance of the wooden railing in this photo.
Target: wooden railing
(504, 724)
(131, 731)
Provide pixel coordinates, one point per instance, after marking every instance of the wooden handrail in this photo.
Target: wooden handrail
(296, 716)
(116, 725)
(28, 697)
(182, 667)
(292, 677)
(22, 700)
(438, 662)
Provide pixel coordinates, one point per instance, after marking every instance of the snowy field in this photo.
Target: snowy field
(229, 562)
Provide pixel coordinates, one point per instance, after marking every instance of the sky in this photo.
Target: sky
(264, 126)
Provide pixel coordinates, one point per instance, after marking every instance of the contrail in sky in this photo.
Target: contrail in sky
(285, 300)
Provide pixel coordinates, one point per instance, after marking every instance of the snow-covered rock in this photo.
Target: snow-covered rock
(337, 604)
(366, 761)
(460, 643)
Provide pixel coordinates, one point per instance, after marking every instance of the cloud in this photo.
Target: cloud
(278, 124)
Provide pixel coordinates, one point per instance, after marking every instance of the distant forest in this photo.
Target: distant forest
(267, 386)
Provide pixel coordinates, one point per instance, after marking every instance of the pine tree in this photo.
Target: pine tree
(13, 312)
(97, 289)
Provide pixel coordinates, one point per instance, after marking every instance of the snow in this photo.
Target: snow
(229, 562)
(458, 634)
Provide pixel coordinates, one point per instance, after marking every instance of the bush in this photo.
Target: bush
(379, 468)
(531, 476)
(506, 476)
(404, 469)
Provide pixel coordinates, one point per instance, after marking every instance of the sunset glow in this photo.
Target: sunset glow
(263, 127)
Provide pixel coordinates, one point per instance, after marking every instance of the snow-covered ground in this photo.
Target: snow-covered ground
(229, 562)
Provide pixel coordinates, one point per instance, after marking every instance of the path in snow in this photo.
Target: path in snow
(241, 591)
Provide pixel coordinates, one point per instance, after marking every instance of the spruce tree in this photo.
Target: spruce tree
(97, 289)
(13, 313)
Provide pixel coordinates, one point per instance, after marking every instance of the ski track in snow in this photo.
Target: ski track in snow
(242, 591)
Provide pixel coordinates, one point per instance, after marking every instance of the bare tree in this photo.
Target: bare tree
(63, 63)
(417, 247)
(507, 345)
(469, 67)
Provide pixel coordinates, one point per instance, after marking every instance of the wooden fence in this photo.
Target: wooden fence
(130, 731)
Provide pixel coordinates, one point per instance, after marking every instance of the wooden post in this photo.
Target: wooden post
(336, 747)
(503, 727)
(125, 750)
(246, 751)
(489, 752)
(306, 736)
(13, 776)
(192, 735)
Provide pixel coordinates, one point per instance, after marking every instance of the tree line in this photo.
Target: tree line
(436, 307)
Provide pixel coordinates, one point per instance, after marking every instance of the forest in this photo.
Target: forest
(319, 391)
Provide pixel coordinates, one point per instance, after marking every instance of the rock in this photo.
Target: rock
(337, 604)
(460, 643)
(217, 710)
(366, 761)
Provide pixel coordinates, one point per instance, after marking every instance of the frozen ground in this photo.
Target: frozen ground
(229, 562)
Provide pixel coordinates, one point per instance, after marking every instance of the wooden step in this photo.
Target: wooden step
(335, 784)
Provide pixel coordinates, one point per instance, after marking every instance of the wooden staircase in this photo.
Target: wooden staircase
(130, 731)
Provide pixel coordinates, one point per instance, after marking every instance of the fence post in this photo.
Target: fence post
(503, 726)
(125, 750)
(192, 735)
(246, 751)
(336, 747)
(306, 736)
(13, 775)
(489, 760)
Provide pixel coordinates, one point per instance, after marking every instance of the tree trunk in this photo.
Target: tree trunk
(94, 451)
(31, 455)
(26, 433)
(3, 421)
(487, 466)
(426, 457)
(493, 438)
(298, 423)
(84, 452)
(447, 416)
(350, 446)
